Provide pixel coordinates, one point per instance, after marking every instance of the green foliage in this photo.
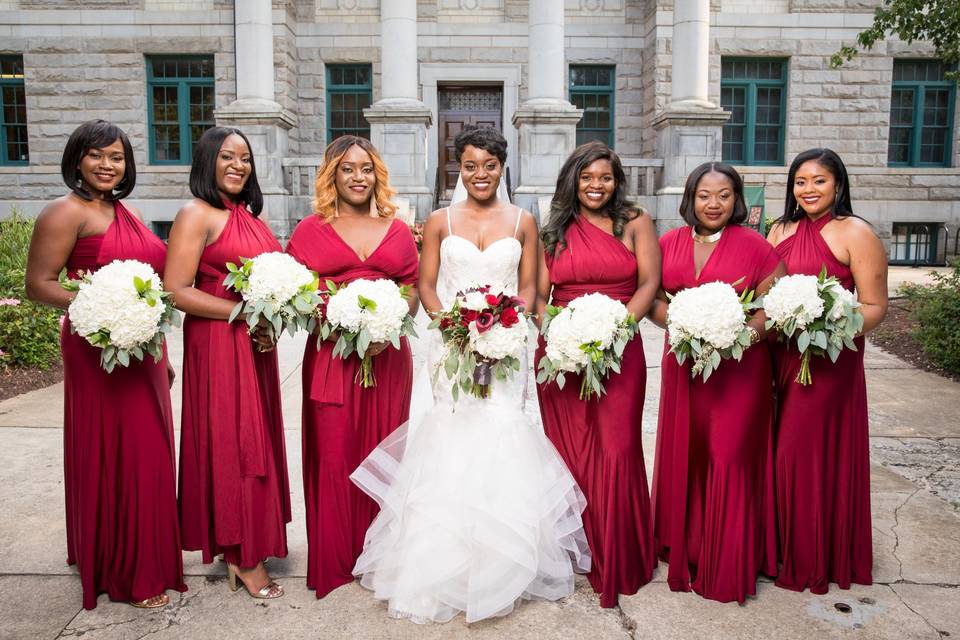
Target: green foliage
(936, 308)
(29, 332)
(937, 21)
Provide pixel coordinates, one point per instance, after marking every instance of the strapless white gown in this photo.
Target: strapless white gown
(478, 509)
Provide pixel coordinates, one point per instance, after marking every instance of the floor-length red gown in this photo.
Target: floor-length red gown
(343, 422)
(234, 492)
(118, 453)
(822, 448)
(713, 495)
(600, 440)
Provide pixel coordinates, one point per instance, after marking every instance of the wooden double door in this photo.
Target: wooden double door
(460, 106)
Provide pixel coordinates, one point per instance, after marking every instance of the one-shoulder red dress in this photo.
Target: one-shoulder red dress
(234, 492)
(118, 452)
(600, 440)
(343, 422)
(713, 495)
(822, 448)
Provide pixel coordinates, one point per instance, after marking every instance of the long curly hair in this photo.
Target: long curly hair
(325, 188)
(565, 205)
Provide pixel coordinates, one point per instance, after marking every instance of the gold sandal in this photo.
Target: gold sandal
(267, 592)
(156, 602)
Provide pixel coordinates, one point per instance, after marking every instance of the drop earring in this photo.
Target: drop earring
(374, 210)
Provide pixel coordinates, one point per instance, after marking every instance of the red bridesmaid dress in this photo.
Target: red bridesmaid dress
(234, 492)
(343, 422)
(599, 440)
(822, 448)
(118, 452)
(713, 501)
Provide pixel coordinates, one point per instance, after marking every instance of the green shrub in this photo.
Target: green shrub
(29, 332)
(936, 308)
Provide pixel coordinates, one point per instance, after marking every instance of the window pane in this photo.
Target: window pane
(733, 139)
(898, 149)
(167, 140)
(734, 100)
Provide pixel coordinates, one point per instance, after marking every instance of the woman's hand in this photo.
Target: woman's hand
(171, 374)
(377, 348)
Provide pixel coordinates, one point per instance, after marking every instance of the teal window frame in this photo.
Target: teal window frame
(8, 81)
(183, 85)
(578, 94)
(915, 236)
(751, 86)
(919, 90)
(356, 89)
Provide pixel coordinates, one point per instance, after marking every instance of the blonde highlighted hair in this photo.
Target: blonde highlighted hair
(325, 188)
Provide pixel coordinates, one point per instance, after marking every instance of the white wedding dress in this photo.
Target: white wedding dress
(478, 509)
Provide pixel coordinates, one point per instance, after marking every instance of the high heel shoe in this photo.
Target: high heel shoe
(156, 602)
(267, 592)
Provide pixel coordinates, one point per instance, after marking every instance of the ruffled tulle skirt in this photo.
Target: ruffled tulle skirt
(478, 511)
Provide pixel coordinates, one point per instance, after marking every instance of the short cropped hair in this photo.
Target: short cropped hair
(690, 191)
(96, 134)
(486, 138)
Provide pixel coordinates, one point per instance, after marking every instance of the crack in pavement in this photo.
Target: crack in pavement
(628, 624)
(940, 634)
(74, 617)
(896, 536)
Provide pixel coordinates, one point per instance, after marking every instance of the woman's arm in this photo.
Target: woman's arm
(430, 263)
(647, 249)
(54, 235)
(658, 310)
(543, 286)
(868, 263)
(527, 275)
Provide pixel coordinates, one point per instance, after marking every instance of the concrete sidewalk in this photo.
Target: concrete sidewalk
(915, 436)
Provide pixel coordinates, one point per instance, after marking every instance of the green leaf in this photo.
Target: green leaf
(803, 341)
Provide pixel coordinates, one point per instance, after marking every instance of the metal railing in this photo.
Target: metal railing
(642, 174)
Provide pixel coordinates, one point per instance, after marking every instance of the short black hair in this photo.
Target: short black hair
(690, 191)
(203, 171)
(96, 134)
(486, 138)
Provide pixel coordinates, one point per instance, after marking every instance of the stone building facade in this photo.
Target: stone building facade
(669, 83)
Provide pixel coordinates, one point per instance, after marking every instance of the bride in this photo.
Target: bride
(477, 507)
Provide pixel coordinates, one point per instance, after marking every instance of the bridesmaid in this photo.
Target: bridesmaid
(822, 448)
(597, 242)
(234, 493)
(351, 235)
(118, 452)
(713, 477)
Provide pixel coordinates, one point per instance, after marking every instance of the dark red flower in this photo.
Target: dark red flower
(494, 300)
(485, 320)
(445, 323)
(468, 315)
(509, 317)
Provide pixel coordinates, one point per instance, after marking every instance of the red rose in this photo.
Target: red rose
(485, 320)
(468, 315)
(509, 317)
(493, 300)
(518, 302)
(446, 323)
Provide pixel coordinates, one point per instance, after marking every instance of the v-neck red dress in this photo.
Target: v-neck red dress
(234, 492)
(343, 422)
(713, 500)
(600, 439)
(823, 448)
(118, 453)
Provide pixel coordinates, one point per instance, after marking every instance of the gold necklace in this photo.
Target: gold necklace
(710, 239)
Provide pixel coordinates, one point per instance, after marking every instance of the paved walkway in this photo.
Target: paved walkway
(916, 495)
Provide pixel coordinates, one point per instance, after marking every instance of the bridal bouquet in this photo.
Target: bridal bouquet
(708, 324)
(587, 337)
(485, 333)
(822, 315)
(365, 312)
(123, 310)
(276, 289)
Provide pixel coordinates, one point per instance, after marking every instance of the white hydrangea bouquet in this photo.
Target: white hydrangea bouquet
(276, 289)
(588, 337)
(485, 333)
(818, 312)
(122, 309)
(709, 324)
(365, 312)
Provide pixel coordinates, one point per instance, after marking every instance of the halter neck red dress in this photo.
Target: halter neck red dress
(822, 448)
(713, 496)
(234, 492)
(343, 422)
(599, 440)
(118, 452)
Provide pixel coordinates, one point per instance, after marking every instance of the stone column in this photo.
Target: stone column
(547, 122)
(255, 111)
(399, 120)
(689, 129)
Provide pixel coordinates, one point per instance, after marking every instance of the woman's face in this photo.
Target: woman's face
(356, 178)
(233, 166)
(713, 202)
(815, 188)
(102, 169)
(480, 172)
(596, 185)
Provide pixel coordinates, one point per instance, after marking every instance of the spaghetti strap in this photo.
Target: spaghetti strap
(516, 227)
(449, 228)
